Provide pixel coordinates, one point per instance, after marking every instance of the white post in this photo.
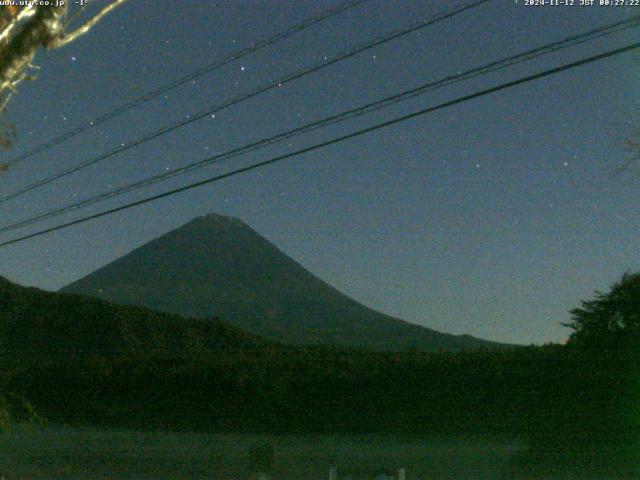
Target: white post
(401, 474)
(333, 474)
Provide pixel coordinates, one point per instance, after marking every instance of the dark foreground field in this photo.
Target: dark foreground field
(66, 453)
(89, 453)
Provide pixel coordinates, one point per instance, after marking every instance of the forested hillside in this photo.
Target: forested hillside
(82, 360)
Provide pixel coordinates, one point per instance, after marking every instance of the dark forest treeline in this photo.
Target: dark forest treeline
(85, 361)
(532, 390)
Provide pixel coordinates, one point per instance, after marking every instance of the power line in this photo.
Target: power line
(245, 96)
(333, 141)
(352, 113)
(254, 47)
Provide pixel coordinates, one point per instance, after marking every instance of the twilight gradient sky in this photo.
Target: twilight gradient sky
(492, 218)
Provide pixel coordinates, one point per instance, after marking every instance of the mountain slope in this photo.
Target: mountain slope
(219, 266)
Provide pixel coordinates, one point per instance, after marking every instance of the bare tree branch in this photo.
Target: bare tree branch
(39, 26)
(65, 38)
(23, 14)
(15, 58)
(632, 145)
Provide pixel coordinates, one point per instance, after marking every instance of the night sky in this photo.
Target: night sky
(493, 217)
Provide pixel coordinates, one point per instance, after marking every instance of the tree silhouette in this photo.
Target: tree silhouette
(610, 320)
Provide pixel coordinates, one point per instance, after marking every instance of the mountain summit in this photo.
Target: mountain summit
(219, 266)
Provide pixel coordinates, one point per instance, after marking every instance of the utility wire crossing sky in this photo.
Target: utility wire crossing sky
(491, 217)
(243, 97)
(388, 123)
(483, 70)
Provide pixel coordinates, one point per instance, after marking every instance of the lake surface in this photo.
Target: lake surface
(89, 453)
